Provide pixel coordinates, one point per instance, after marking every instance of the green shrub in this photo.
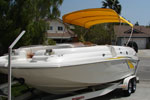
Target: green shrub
(49, 42)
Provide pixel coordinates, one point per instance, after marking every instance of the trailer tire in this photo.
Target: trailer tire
(129, 90)
(133, 45)
(133, 85)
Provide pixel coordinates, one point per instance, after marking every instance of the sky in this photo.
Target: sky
(132, 10)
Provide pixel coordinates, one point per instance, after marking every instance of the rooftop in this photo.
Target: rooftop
(138, 31)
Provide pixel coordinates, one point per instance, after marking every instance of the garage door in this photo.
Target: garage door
(141, 42)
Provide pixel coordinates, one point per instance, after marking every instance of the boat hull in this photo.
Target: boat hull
(58, 80)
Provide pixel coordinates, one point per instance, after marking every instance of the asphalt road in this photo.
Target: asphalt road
(143, 88)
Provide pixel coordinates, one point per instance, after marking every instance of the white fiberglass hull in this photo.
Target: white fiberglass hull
(67, 79)
(71, 72)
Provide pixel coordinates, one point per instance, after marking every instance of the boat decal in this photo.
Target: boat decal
(131, 66)
(121, 57)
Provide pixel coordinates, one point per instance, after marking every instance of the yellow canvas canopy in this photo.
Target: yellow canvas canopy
(89, 17)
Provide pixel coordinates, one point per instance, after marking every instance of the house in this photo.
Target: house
(59, 31)
(141, 35)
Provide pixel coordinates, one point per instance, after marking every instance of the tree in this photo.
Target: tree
(81, 32)
(137, 23)
(112, 4)
(115, 5)
(99, 34)
(29, 15)
(54, 11)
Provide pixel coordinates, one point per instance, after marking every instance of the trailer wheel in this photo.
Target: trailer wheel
(129, 91)
(133, 85)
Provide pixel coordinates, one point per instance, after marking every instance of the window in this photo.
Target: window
(60, 28)
(51, 27)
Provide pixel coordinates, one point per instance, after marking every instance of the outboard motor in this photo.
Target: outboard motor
(133, 45)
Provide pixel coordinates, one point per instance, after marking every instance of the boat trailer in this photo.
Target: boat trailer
(128, 85)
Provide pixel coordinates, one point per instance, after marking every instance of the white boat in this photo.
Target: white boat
(65, 68)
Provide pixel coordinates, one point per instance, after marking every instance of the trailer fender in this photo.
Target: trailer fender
(124, 86)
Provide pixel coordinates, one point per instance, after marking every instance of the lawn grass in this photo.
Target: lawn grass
(17, 90)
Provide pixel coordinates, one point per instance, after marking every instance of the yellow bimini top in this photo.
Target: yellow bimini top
(89, 17)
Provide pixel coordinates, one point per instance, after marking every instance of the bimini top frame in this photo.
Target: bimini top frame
(89, 17)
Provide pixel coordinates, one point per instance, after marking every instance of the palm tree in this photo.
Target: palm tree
(112, 4)
(137, 23)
